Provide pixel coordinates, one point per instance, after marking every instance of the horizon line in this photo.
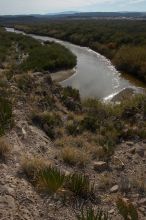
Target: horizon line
(70, 12)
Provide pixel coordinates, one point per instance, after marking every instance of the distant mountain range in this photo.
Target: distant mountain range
(64, 13)
(72, 15)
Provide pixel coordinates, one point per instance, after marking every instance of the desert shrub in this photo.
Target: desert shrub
(137, 181)
(89, 123)
(91, 214)
(48, 122)
(74, 156)
(32, 167)
(5, 114)
(80, 185)
(95, 108)
(73, 128)
(106, 181)
(71, 98)
(4, 148)
(127, 209)
(24, 82)
(42, 174)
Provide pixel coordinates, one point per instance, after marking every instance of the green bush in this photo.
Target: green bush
(56, 57)
(89, 123)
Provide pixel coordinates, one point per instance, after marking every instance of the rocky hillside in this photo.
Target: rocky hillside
(59, 157)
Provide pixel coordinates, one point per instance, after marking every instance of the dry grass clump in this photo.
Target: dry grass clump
(42, 174)
(96, 152)
(24, 81)
(138, 181)
(33, 166)
(126, 209)
(71, 141)
(4, 148)
(74, 156)
(106, 181)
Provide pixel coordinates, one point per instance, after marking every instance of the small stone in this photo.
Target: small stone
(100, 166)
(129, 156)
(130, 143)
(132, 150)
(140, 152)
(142, 201)
(142, 210)
(112, 211)
(114, 189)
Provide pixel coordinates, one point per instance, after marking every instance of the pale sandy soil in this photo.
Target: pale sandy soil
(62, 75)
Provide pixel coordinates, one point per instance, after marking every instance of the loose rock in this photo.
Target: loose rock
(100, 166)
(114, 189)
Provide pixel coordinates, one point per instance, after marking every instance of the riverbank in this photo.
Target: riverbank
(111, 39)
(62, 75)
(109, 79)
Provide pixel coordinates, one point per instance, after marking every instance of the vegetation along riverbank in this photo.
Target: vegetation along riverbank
(124, 43)
(62, 157)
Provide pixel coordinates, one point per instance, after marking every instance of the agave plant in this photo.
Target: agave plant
(91, 214)
(51, 179)
(80, 185)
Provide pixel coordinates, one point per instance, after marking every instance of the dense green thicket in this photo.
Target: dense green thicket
(49, 57)
(30, 54)
(124, 42)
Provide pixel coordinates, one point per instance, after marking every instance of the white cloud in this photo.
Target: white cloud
(136, 1)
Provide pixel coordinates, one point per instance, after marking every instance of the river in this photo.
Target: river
(95, 76)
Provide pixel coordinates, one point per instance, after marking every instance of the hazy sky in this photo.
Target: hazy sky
(50, 6)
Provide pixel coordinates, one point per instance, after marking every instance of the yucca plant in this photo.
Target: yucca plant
(91, 214)
(80, 185)
(51, 179)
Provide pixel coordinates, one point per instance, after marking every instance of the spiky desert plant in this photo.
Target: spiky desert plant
(51, 179)
(91, 214)
(80, 185)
